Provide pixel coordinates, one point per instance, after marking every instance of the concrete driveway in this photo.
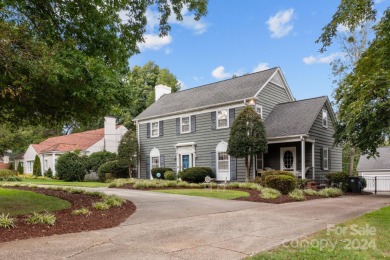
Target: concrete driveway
(169, 226)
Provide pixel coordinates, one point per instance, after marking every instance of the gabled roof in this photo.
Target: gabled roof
(225, 91)
(293, 118)
(379, 163)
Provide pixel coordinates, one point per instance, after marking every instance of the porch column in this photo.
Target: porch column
(312, 160)
(303, 166)
(54, 164)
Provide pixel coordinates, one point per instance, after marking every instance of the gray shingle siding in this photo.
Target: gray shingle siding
(270, 96)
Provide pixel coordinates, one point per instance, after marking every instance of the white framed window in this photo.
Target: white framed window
(259, 110)
(30, 166)
(223, 161)
(155, 162)
(325, 118)
(154, 129)
(222, 118)
(46, 165)
(325, 158)
(185, 125)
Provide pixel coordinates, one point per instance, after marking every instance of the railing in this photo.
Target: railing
(377, 184)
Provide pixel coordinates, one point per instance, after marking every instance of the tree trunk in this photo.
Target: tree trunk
(247, 166)
(351, 161)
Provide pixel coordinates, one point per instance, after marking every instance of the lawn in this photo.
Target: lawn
(18, 202)
(366, 237)
(219, 194)
(46, 181)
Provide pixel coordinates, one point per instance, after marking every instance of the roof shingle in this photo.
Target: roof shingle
(379, 163)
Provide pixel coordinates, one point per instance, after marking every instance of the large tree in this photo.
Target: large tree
(247, 137)
(65, 61)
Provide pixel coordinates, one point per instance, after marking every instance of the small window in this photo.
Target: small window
(222, 119)
(46, 165)
(223, 161)
(155, 162)
(259, 161)
(259, 110)
(185, 124)
(154, 129)
(325, 158)
(325, 118)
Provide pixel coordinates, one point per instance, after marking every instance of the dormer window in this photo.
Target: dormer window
(259, 110)
(324, 118)
(222, 118)
(154, 129)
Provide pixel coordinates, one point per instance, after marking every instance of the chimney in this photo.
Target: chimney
(6, 159)
(110, 142)
(161, 90)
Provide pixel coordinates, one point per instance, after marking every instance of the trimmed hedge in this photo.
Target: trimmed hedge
(282, 183)
(5, 175)
(338, 180)
(71, 167)
(170, 176)
(95, 160)
(160, 170)
(265, 174)
(196, 174)
(114, 168)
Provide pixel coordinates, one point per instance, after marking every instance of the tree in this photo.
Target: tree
(20, 168)
(37, 166)
(247, 137)
(64, 61)
(96, 159)
(71, 167)
(128, 150)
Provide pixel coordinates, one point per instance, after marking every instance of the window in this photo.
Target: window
(259, 110)
(325, 118)
(259, 161)
(223, 161)
(46, 165)
(154, 129)
(222, 119)
(30, 166)
(325, 158)
(155, 162)
(185, 124)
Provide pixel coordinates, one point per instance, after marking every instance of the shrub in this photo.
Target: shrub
(115, 168)
(249, 186)
(338, 180)
(196, 174)
(71, 167)
(265, 174)
(282, 183)
(170, 175)
(114, 201)
(82, 211)
(11, 166)
(310, 192)
(100, 206)
(6, 221)
(234, 185)
(301, 184)
(5, 174)
(95, 160)
(269, 193)
(257, 180)
(49, 173)
(330, 192)
(20, 168)
(161, 171)
(37, 166)
(38, 218)
(297, 194)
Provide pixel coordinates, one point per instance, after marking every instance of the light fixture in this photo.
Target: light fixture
(250, 101)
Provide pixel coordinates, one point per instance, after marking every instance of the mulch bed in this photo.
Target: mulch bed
(65, 221)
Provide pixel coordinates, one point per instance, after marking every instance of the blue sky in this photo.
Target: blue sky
(239, 37)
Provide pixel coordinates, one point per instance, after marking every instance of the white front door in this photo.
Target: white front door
(288, 159)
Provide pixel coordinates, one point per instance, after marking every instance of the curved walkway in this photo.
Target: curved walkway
(167, 226)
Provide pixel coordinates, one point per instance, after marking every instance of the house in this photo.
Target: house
(103, 139)
(5, 161)
(191, 128)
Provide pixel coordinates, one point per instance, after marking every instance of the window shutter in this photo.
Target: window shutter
(147, 158)
(161, 126)
(213, 120)
(177, 126)
(322, 157)
(193, 123)
(231, 116)
(162, 161)
(148, 130)
(212, 162)
(329, 160)
(233, 168)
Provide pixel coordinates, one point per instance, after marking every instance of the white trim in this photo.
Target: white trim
(266, 83)
(222, 148)
(294, 152)
(303, 158)
(139, 149)
(324, 112)
(151, 129)
(189, 124)
(227, 119)
(313, 160)
(286, 87)
(185, 144)
(374, 170)
(153, 154)
(261, 110)
(327, 158)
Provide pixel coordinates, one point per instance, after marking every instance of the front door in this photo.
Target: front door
(288, 160)
(185, 161)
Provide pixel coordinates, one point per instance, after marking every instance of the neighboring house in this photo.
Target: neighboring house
(379, 166)
(103, 139)
(5, 161)
(191, 128)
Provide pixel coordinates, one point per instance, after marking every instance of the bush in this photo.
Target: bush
(20, 168)
(310, 192)
(49, 173)
(112, 169)
(330, 192)
(338, 180)
(5, 174)
(71, 167)
(46, 218)
(301, 184)
(282, 183)
(95, 160)
(11, 166)
(170, 175)
(100, 206)
(6, 221)
(196, 174)
(37, 166)
(161, 171)
(257, 180)
(265, 174)
(269, 193)
(297, 194)
(82, 211)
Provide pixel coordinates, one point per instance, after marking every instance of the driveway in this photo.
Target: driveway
(167, 226)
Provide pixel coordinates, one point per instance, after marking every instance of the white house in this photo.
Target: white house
(103, 139)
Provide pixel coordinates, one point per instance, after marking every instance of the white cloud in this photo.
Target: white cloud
(260, 67)
(322, 59)
(154, 42)
(379, 1)
(196, 78)
(168, 50)
(182, 85)
(219, 73)
(280, 24)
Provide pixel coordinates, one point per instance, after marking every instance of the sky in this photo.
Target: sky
(245, 36)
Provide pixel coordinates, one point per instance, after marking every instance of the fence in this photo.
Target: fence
(378, 184)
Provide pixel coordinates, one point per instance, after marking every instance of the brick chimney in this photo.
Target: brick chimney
(161, 90)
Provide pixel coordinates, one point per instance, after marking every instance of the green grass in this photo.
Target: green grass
(370, 242)
(44, 181)
(18, 202)
(219, 194)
